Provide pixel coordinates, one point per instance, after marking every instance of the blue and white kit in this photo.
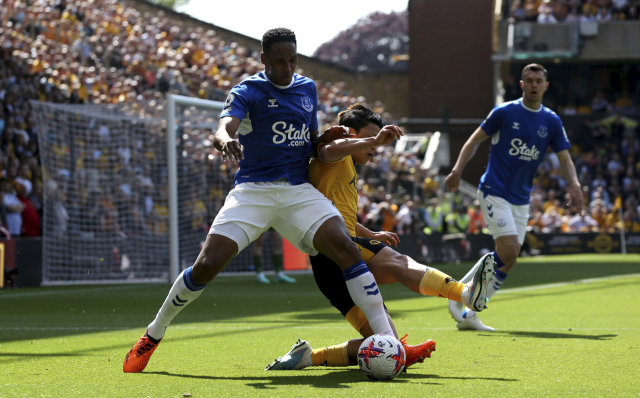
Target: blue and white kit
(271, 185)
(520, 137)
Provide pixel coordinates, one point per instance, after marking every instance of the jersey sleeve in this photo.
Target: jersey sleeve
(314, 115)
(559, 139)
(492, 123)
(239, 101)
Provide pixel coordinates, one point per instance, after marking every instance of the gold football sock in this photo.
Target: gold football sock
(356, 318)
(436, 283)
(336, 355)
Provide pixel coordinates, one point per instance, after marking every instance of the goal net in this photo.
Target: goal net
(107, 187)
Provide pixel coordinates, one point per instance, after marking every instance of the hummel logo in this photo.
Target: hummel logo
(272, 103)
(515, 126)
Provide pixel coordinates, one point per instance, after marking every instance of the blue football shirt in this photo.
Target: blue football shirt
(276, 127)
(520, 137)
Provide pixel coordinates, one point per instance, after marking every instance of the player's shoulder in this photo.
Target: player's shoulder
(302, 81)
(508, 106)
(550, 113)
(256, 80)
(503, 107)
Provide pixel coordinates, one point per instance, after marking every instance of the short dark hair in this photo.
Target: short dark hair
(535, 68)
(277, 35)
(358, 116)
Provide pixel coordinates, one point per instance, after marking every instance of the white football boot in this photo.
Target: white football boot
(299, 357)
(479, 285)
(470, 321)
(477, 288)
(455, 309)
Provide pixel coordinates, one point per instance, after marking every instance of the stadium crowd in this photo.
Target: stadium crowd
(107, 52)
(558, 11)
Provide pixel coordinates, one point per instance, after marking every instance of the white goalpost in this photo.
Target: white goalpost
(172, 165)
(130, 190)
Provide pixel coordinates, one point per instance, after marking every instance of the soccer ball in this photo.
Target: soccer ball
(381, 357)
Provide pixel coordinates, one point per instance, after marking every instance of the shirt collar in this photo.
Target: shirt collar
(529, 109)
(293, 79)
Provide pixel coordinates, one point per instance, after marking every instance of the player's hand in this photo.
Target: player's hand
(232, 150)
(331, 134)
(388, 134)
(575, 196)
(452, 182)
(389, 238)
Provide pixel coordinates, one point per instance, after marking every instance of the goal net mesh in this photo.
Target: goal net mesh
(106, 210)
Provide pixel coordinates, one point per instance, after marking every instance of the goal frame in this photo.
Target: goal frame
(174, 100)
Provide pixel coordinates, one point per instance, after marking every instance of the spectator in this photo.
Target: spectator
(604, 15)
(570, 110)
(30, 218)
(573, 16)
(599, 104)
(404, 218)
(546, 17)
(551, 222)
(13, 208)
(582, 223)
(434, 218)
(476, 220)
(458, 221)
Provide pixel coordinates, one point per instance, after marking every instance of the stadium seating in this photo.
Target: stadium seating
(107, 52)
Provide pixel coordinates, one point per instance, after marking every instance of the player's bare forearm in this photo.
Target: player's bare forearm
(570, 175)
(345, 147)
(223, 139)
(452, 182)
(227, 128)
(389, 238)
(362, 231)
(469, 149)
(568, 168)
(338, 149)
(331, 134)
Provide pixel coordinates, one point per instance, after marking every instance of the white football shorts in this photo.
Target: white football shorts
(503, 218)
(295, 211)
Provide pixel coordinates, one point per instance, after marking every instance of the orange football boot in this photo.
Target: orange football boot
(138, 357)
(417, 353)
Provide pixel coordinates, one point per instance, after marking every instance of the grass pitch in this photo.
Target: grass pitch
(555, 337)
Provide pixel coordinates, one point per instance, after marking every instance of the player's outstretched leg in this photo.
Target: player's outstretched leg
(389, 266)
(332, 239)
(183, 291)
(481, 273)
(216, 253)
(303, 356)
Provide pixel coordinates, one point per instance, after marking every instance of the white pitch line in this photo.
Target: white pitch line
(507, 290)
(293, 327)
(578, 282)
(71, 291)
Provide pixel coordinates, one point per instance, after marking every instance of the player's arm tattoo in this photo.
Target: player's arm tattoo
(362, 232)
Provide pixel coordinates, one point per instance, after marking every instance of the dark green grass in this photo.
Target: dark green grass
(573, 339)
